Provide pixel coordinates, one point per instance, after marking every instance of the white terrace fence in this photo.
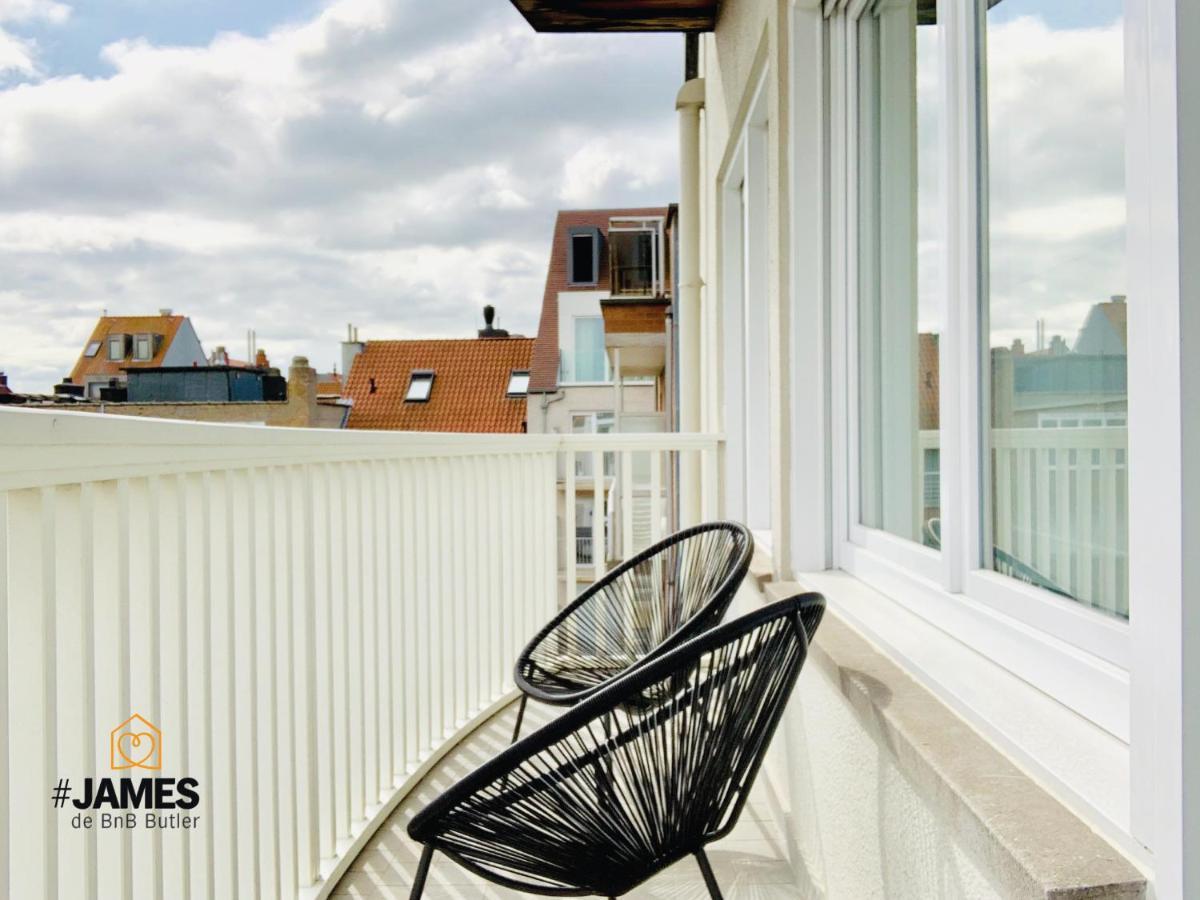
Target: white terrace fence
(1060, 508)
(306, 617)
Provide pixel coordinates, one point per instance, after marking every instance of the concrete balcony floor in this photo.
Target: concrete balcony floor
(750, 863)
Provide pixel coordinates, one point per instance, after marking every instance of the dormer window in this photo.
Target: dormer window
(143, 347)
(92, 349)
(583, 261)
(420, 386)
(116, 347)
(518, 383)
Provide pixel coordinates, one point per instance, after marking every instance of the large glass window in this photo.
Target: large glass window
(899, 265)
(1057, 513)
(590, 358)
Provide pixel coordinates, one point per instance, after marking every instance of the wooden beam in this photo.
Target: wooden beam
(619, 15)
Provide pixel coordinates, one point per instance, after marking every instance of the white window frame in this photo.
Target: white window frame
(108, 347)
(93, 348)
(518, 377)
(149, 341)
(1154, 681)
(744, 223)
(417, 378)
(1078, 655)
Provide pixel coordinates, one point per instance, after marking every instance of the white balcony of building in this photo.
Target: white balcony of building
(323, 625)
(311, 619)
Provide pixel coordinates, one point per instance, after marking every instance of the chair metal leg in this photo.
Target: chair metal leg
(520, 718)
(422, 872)
(714, 891)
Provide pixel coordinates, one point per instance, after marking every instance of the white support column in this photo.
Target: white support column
(618, 390)
(689, 102)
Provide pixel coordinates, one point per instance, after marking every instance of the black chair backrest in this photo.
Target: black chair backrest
(605, 795)
(666, 594)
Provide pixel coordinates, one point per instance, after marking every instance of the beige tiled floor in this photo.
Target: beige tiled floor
(750, 864)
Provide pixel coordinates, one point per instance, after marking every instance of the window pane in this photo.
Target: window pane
(1056, 305)
(518, 383)
(419, 388)
(583, 268)
(899, 246)
(589, 348)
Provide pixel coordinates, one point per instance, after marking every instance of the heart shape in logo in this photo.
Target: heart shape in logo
(136, 748)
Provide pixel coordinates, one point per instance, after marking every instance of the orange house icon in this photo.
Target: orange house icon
(135, 744)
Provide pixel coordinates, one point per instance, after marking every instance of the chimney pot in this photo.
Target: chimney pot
(165, 311)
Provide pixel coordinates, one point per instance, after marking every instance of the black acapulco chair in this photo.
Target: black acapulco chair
(574, 809)
(668, 593)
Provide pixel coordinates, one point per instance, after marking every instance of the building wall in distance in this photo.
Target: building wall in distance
(300, 410)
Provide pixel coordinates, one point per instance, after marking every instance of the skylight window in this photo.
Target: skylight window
(518, 383)
(419, 387)
(92, 349)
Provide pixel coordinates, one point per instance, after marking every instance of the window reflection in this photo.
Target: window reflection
(1056, 305)
(899, 248)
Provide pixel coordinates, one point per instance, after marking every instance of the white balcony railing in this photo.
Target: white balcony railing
(306, 616)
(1059, 498)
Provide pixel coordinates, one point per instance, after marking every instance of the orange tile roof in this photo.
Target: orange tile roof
(329, 383)
(545, 355)
(100, 364)
(469, 387)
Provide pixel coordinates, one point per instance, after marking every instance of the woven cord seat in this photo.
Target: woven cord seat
(607, 795)
(649, 604)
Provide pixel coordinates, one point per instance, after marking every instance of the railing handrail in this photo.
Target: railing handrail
(39, 448)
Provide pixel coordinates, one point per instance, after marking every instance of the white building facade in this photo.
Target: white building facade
(870, 178)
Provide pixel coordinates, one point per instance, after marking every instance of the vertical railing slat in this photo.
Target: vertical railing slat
(626, 504)
(324, 538)
(408, 615)
(570, 533)
(32, 701)
(76, 734)
(599, 546)
(173, 659)
(285, 706)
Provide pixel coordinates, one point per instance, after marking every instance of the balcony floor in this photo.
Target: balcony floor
(750, 863)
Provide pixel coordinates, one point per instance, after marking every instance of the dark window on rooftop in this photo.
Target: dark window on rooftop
(584, 261)
(92, 349)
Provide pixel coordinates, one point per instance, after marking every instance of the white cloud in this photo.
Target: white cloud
(33, 11)
(1057, 206)
(18, 55)
(390, 162)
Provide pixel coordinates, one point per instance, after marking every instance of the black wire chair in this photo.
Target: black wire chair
(660, 598)
(574, 809)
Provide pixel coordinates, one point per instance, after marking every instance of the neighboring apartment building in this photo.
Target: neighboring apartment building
(464, 385)
(602, 361)
(119, 343)
(864, 184)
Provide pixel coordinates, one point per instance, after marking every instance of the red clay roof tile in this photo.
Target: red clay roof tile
(469, 389)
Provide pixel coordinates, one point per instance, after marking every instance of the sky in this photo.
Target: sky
(1055, 167)
(292, 167)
